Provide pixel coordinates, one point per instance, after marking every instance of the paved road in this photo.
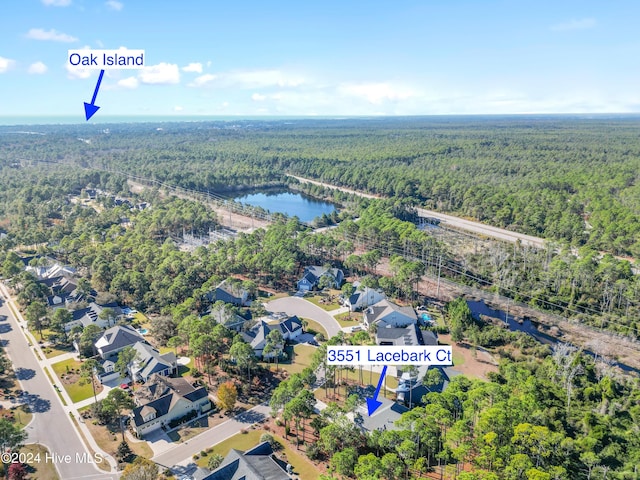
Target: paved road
(482, 229)
(50, 426)
(449, 220)
(180, 455)
(304, 308)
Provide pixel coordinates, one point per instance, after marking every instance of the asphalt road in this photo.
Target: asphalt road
(449, 220)
(50, 426)
(482, 229)
(303, 308)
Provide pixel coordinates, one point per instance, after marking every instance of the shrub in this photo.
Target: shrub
(313, 451)
(265, 437)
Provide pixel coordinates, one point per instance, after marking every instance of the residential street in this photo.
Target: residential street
(303, 308)
(51, 425)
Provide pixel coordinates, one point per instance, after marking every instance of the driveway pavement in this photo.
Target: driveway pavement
(179, 458)
(304, 308)
(51, 425)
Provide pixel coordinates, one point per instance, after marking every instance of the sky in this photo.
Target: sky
(343, 58)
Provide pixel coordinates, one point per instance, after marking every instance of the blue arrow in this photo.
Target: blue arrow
(89, 108)
(372, 403)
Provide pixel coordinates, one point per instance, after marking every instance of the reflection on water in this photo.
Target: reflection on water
(293, 204)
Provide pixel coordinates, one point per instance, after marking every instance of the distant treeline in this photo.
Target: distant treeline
(571, 179)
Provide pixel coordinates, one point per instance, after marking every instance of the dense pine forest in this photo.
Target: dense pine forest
(546, 414)
(568, 179)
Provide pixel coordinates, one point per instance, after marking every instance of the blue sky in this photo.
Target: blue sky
(250, 58)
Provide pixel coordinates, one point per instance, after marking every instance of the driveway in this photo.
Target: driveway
(304, 308)
(51, 425)
(179, 458)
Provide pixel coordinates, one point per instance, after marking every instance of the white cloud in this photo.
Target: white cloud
(256, 97)
(53, 35)
(129, 82)
(73, 72)
(161, 74)
(193, 67)
(250, 79)
(377, 93)
(264, 78)
(57, 3)
(178, 108)
(203, 80)
(6, 64)
(114, 5)
(574, 24)
(37, 68)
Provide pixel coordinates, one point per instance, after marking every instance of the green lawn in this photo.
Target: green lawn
(314, 327)
(349, 319)
(140, 318)
(458, 359)
(185, 369)
(302, 467)
(22, 415)
(43, 470)
(325, 306)
(79, 390)
(51, 352)
(301, 359)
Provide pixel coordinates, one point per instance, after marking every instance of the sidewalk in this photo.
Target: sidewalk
(45, 363)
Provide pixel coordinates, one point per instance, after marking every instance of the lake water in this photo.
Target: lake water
(480, 308)
(304, 207)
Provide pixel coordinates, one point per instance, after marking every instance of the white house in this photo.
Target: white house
(312, 275)
(91, 316)
(363, 297)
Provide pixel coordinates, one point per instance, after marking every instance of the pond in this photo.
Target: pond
(293, 204)
(480, 308)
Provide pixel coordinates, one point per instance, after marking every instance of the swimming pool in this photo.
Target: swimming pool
(143, 331)
(425, 317)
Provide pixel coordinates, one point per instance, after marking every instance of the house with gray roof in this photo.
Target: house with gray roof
(290, 327)
(258, 463)
(164, 401)
(115, 339)
(405, 336)
(386, 313)
(149, 361)
(312, 275)
(229, 292)
(363, 297)
(91, 316)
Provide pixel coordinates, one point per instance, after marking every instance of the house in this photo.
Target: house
(386, 313)
(312, 275)
(63, 289)
(229, 292)
(291, 327)
(149, 361)
(115, 339)
(257, 338)
(91, 315)
(163, 401)
(259, 463)
(363, 297)
(405, 336)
